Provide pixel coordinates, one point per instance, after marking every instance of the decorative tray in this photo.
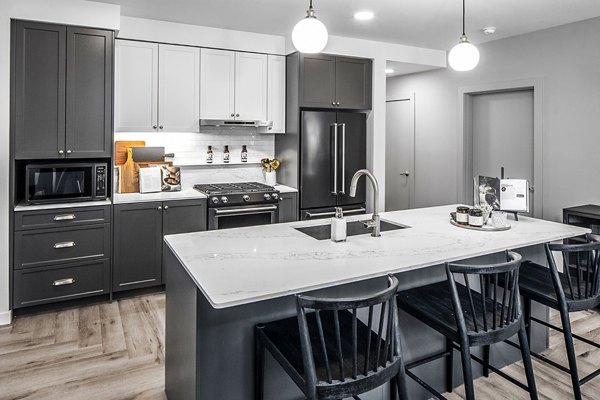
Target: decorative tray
(483, 228)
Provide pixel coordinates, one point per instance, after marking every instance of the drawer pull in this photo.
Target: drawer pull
(64, 245)
(65, 281)
(64, 217)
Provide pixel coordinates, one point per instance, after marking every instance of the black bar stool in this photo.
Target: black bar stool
(469, 318)
(577, 288)
(330, 353)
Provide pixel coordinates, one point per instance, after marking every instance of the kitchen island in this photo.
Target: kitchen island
(222, 283)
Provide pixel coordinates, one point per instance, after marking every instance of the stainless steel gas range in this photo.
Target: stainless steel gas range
(233, 205)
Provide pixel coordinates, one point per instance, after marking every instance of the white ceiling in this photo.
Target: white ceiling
(433, 24)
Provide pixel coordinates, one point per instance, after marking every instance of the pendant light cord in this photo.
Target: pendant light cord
(312, 7)
(463, 16)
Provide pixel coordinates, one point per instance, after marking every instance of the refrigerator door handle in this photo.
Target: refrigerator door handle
(335, 157)
(343, 191)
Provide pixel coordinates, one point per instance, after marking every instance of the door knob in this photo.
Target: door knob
(333, 103)
(232, 115)
(237, 115)
(154, 126)
(166, 207)
(405, 173)
(69, 151)
(61, 152)
(160, 127)
(159, 208)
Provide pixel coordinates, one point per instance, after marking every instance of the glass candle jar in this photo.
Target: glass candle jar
(476, 217)
(462, 215)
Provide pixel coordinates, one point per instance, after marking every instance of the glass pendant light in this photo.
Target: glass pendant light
(310, 35)
(464, 56)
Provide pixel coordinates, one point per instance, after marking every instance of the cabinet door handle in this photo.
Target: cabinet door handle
(65, 281)
(64, 217)
(337, 103)
(333, 103)
(160, 127)
(237, 115)
(232, 115)
(406, 173)
(69, 151)
(159, 208)
(166, 207)
(61, 152)
(64, 245)
(154, 126)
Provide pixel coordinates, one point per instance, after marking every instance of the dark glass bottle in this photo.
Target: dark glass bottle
(226, 154)
(209, 155)
(244, 154)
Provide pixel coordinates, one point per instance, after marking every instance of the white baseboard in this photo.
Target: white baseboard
(5, 318)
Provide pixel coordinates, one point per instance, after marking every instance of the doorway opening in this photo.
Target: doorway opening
(400, 153)
(500, 126)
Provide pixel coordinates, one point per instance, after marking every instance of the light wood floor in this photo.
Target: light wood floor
(116, 352)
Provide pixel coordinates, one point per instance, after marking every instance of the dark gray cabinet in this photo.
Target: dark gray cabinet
(288, 207)
(39, 89)
(327, 81)
(138, 238)
(62, 91)
(89, 93)
(60, 254)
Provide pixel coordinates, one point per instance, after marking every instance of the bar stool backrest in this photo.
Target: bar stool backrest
(375, 358)
(494, 312)
(581, 269)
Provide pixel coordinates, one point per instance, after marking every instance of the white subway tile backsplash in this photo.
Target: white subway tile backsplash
(190, 154)
(190, 148)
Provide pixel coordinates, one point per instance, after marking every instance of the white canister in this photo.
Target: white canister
(271, 178)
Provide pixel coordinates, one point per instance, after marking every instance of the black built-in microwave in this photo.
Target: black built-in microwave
(65, 182)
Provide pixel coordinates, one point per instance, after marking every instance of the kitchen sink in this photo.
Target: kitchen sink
(322, 232)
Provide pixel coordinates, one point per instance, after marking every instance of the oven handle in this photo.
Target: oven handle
(325, 214)
(219, 211)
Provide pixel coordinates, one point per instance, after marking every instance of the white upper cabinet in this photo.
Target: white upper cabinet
(233, 85)
(276, 93)
(250, 86)
(136, 86)
(217, 85)
(179, 88)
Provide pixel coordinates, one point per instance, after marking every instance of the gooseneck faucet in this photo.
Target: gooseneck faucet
(374, 222)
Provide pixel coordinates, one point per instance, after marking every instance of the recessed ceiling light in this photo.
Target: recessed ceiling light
(363, 15)
(389, 71)
(489, 30)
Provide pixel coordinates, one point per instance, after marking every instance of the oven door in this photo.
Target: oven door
(236, 217)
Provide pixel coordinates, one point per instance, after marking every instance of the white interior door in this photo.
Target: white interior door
(399, 154)
(136, 86)
(179, 88)
(250, 86)
(217, 84)
(502, 135)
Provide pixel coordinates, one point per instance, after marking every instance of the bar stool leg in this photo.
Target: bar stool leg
(566, 324)
(527, 317)
(449, 366)
(486, 361)
(526, 356)
(465, 353)
(259, 365)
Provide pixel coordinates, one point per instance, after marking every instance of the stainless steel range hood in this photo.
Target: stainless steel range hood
(230, 124)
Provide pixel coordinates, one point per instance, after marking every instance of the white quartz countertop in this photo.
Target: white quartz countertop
(244, 265)
(285, 189)
(185, 194)
(53, 206)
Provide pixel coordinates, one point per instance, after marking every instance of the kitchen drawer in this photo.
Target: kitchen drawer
(35, 248)
(49, 284)
(60, 217)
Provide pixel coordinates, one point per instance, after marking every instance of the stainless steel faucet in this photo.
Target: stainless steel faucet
(374, 222)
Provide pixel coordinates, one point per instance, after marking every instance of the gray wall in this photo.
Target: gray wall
(567, 59)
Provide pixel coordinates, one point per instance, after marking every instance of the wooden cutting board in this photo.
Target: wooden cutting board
(121, 149)
(129, 175)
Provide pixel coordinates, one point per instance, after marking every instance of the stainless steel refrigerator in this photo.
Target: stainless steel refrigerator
(332, 148)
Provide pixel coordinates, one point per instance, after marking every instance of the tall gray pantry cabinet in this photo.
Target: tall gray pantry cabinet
(61, 110)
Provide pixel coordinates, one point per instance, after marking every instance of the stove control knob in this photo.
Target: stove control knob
(224, 200)
(246, 197)
(215, 200)
(267, 196)
(275, 196)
